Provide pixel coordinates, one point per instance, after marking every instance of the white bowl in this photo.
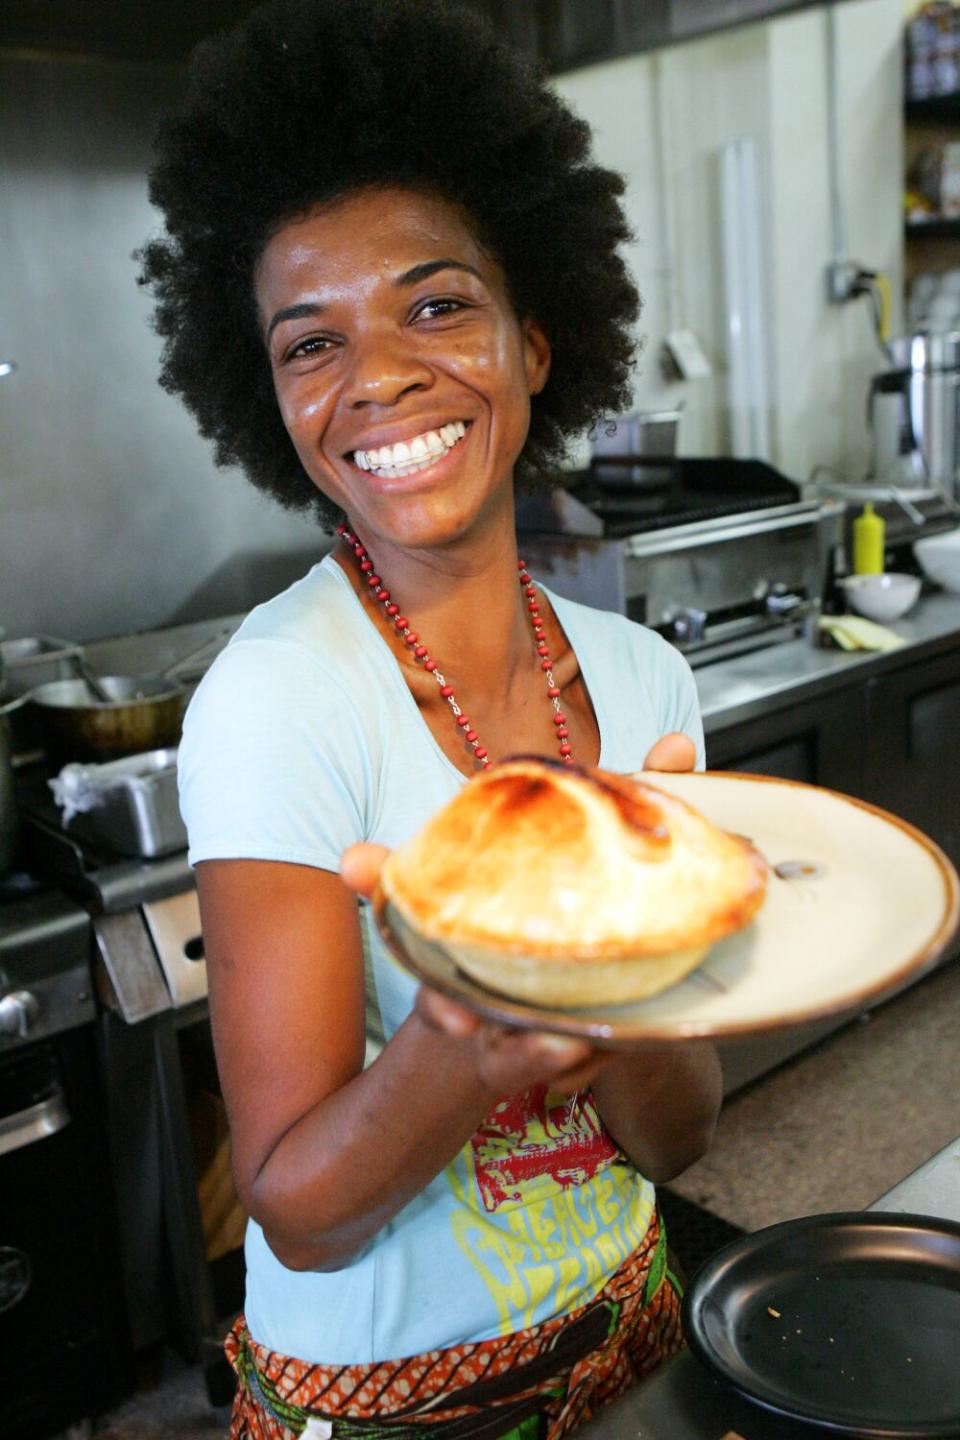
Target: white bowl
(939, 557)
(882, 597)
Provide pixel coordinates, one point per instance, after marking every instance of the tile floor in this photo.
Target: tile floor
(830, 1130)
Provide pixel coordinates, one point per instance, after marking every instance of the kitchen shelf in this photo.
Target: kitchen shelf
(932, 229)
(935, 110)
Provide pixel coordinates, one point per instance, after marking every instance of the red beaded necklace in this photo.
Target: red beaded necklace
(402, 626)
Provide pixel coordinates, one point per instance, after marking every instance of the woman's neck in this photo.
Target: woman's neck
(464, 600)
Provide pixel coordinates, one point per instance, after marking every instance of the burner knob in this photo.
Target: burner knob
(689, 625)
(18, 1012)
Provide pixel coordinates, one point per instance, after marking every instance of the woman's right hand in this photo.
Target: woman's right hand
(507, 1060)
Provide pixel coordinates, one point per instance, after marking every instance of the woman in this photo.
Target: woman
(390, 281)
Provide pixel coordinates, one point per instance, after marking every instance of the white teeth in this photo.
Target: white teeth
(407, 456)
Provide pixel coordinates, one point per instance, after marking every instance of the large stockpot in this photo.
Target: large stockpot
(141, 713)
(914, 414)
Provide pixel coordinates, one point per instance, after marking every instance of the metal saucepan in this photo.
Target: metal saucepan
(135, 713)
(141, 713)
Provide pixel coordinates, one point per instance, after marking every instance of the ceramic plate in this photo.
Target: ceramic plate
(847, 1321)
(858, 901)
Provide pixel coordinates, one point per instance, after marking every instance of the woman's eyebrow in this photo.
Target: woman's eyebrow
(304, 311)
(307, 310)
(417, 273)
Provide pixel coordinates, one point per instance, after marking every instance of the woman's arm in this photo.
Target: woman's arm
(324, 1152)
(661, 1107)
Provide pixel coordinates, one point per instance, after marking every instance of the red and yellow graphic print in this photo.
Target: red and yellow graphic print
(547, 1205)
(536, 1142)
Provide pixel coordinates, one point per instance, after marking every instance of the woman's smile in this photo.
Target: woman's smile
(402, 371)
(391, 462)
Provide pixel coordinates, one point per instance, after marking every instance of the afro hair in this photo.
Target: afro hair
(307, 100)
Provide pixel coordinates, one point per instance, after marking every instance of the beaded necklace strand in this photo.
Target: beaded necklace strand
(402, 625)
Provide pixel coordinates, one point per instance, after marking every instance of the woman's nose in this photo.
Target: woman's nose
(385, 369)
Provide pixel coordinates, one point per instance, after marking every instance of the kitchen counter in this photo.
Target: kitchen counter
(750, 685)
(683, 1401)
(730, 690)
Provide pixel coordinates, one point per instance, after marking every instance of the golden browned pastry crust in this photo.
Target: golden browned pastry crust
(573, 886)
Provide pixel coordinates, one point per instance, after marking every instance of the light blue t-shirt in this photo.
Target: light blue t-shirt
(302, 739)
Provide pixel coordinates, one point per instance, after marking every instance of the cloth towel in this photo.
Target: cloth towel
(852, 632)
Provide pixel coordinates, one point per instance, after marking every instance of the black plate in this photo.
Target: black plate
(847, 1321)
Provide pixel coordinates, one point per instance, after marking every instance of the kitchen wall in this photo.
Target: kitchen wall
(112, 514)
(662, 118)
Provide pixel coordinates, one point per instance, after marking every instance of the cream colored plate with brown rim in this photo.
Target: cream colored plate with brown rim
(858, 901)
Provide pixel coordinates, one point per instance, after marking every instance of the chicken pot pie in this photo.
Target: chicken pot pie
(571, 886)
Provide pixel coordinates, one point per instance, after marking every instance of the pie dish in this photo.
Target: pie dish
(569, 885)
(859, 902)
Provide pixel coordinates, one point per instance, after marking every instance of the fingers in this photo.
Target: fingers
(360, 866)
(446, 1015)
(511, 1060)
(672, 752)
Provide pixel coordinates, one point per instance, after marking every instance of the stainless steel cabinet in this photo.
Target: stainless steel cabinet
(817, 741)
(912, 747)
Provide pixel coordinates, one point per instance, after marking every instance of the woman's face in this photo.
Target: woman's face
(402, 372)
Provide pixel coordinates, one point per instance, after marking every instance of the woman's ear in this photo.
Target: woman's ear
(536, 356)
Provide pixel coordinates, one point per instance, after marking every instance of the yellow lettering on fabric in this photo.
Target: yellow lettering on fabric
(555, 1252)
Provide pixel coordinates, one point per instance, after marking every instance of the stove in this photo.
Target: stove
(144, 949)
(61, 1300)
(720, 556)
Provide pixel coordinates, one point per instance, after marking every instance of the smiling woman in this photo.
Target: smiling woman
(386, 324)
(390, 290)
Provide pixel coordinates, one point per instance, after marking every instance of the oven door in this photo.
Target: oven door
(62, 1348)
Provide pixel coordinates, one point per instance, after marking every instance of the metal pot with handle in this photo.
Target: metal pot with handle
(105, 717)
(136, 713)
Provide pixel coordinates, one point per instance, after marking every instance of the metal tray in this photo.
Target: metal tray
(138, 811)
(32, 660)
(847, 1321)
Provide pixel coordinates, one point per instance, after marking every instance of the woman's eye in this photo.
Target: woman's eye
(436, 309)
(310, 345)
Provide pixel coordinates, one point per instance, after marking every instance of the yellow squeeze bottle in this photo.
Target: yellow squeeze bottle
(868, 542)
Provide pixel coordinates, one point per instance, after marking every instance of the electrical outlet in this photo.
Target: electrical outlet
(687, 355)
(843, 278)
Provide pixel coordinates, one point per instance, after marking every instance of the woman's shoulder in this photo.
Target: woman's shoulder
(312, 632)
(298, 661)
(311, 612)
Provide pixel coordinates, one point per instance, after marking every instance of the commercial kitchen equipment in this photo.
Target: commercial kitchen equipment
(914, 414)
(64, 1343)
(720, 556)
(154, 1039)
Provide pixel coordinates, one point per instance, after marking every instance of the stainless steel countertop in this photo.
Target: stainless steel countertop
(683, 1401)
(730, 691)
(742, 688)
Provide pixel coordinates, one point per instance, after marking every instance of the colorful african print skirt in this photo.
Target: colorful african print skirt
(537, 1384)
